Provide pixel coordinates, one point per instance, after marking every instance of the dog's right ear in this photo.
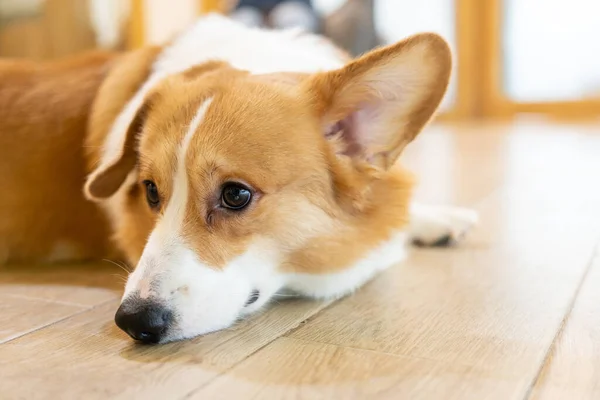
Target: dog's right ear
(117, 118)
(118, 159)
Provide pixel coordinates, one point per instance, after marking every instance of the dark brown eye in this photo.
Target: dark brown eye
(235, 196)
(152, 194)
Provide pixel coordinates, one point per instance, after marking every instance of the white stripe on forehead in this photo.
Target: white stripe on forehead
(173, 217)
(164, 244)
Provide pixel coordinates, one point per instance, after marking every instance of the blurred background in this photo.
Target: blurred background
(513, 58)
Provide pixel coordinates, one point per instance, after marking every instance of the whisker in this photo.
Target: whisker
(121, 277)
(124, 267)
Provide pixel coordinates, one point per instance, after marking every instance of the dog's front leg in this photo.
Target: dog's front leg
(439, 225)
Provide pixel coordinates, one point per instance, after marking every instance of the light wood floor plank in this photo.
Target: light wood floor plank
(84, 285)
(88, 357)
(477, 321)
(497, 302)
(295, 369)
(572, 370)
(19, 316)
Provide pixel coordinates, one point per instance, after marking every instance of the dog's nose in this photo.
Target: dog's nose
(147, 322)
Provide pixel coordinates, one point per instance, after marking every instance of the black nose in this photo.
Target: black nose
(145, 321)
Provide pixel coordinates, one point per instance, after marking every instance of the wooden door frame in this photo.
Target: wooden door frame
(136, 32)
(211, 5)
(496, 103)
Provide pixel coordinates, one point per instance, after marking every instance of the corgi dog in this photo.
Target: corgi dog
(228, 166)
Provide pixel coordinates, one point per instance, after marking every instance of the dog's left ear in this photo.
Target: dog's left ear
(379, 103)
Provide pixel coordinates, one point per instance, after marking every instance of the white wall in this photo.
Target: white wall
(552, 49)
(108, 18)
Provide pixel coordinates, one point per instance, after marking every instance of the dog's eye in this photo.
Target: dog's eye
(152, 194)
(235, 196)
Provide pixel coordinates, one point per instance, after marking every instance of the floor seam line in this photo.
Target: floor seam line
(3, 342)
(61, 302)
(564, 322)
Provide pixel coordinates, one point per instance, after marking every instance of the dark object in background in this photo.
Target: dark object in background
(278, 14)
(352, 26)
(267, 6)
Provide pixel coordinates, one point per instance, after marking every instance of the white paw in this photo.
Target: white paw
(440, 226)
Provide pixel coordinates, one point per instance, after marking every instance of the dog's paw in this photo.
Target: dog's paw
(440, 226)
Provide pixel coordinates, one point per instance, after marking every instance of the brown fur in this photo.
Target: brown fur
(327, 210)
(324, 200)
(44, 110)
(122, 83)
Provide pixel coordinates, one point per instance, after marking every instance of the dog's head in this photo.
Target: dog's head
(240, 181)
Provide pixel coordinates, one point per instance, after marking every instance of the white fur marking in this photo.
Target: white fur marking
(174, 214)
(341, 283)
(430, 224)
(166, 233)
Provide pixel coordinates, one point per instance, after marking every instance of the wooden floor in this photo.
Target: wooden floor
(514, 313)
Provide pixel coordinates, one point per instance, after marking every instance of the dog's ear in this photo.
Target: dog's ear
(379, 103)
(118, 160)
(117, 117)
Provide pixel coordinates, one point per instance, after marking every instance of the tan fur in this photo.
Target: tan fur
(324, 208)
(120, 85)
(266, 132)
(44, 110)
(118, 88)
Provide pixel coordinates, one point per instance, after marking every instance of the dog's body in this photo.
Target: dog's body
(230, 165)
(44, 111)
